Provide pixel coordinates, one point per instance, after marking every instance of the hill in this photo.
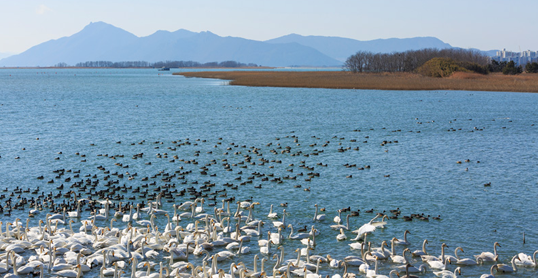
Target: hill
(100, 41)
(5, 55)
(341, 48)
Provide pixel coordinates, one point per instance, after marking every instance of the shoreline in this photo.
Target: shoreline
(498, 82)
(130, 68)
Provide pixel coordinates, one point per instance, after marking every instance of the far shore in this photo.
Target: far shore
(191, 68)
(374, 81)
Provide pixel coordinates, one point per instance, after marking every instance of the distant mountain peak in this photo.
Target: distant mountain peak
(98, 25)
(100, 41)
(207, 33)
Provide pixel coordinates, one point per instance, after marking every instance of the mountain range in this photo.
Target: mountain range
(4, 55)
(100, 41)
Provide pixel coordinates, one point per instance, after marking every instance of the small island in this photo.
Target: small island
(375, 81)
(426, 69)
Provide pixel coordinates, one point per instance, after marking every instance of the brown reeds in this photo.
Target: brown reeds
(376, 81)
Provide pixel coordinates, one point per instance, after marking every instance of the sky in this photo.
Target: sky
(482, 24)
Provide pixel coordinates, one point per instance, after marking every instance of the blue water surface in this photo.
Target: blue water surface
(49, 115)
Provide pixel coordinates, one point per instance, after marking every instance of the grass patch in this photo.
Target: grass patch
(465, 81)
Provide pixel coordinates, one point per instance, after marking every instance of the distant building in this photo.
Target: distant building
(520, 58)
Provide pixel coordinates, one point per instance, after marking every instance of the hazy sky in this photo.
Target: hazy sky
(483, 24)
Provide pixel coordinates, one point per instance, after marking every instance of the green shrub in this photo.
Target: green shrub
(511, 69)
(440, 67)
(531, 68)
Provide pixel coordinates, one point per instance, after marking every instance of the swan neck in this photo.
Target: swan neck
(424, 247)
(514, 263)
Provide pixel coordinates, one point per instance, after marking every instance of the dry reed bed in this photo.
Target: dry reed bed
(379, 81)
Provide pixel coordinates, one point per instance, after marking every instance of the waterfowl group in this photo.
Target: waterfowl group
(55, 250)
(117, 222)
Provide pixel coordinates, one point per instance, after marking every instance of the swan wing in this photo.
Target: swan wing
(366, 228)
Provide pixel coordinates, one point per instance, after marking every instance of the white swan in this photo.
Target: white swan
(279, 224)
(504, 268)
(271, 213)
(337, 219)
(373, 273)
(465, 261)
(318, 217)
(526, 260)
(448, 273)
(381, 224)
(379, 252)
(404, 240)
(488, 256)
(298, 235)
(441, 258)
(420, 253)
(277, 238)
(57, 216)
(400, 259)
(366, 228)
(341, 236)
(137, 215)
(339, 226)
(243, 250)
(266, 249)
(411, 269)
(128, 218)
(438, 264)
(70, 273)
(76, 213)
(333, 263)
(408, 268)
(490, 275)
(356, 245)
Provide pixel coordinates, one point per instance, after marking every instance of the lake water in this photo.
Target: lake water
(87, 111)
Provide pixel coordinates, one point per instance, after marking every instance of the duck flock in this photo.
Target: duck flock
(196, 208)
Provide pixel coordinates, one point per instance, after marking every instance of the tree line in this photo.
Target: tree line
(160, 64)
(410, 60)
